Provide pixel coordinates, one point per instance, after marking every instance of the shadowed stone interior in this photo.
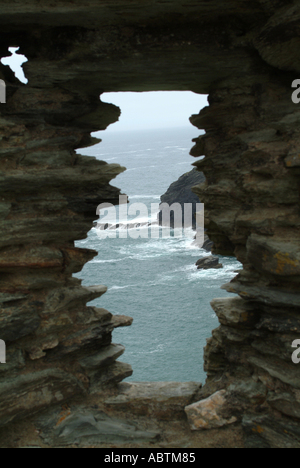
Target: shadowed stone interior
(60, 358)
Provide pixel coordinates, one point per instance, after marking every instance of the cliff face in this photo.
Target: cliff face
(181, 192)
(245, 55)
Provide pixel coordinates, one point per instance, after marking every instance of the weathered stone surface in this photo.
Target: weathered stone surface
(161, 400)
(6, 297)
(105, 357)
(18, 321)
(235, 312)
(266, 432)
(28, 394)
(287, 373)
(206, 414)
(109, 376)
(246, 56)
(264, 294)
(277, 256)
(60, 299)
(90, 338)
(121, 321)
(287, 321)
(15, 361)
(286, 403)
(245, 390)
(82, 426)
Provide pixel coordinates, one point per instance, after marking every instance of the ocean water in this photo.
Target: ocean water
(155, 281)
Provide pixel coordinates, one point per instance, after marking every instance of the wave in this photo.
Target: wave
(137, 197)
(82, 242)
(159, 349)
(127, 152)
(113, 260)
(226, 273)
(119, 287)
(156, 166)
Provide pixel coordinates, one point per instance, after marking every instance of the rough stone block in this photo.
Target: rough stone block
(162, 400)
(235, 312)
(207, 414)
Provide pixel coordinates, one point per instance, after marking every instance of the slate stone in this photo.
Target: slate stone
(161, 400)
(28, 394)
(105, 357)
(88, 427)
(270, 432)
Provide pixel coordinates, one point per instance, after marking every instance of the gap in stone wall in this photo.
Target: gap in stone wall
(155, 280)
(15, 62)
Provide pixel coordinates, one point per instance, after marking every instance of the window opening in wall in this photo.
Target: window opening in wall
(155, 281)
(15, 62)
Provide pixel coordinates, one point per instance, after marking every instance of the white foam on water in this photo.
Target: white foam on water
(225, 273)
(82, 242)
(184, 269)
(110, 159)
(119, 287)
(126, 152)
(113, 260)
(160, 348)
(135, 197)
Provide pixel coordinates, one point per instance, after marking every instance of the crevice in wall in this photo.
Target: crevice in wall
(155, 158)
(15, 62)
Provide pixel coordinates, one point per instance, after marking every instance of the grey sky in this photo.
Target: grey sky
(158, 109)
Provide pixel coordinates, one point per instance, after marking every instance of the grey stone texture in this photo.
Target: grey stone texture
(245, 55)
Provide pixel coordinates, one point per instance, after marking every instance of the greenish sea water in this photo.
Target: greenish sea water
(155, 281)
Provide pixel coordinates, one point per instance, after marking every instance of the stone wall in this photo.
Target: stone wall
(245, 56)
(252, 211)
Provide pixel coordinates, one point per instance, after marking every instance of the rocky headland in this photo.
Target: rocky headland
(180, 192)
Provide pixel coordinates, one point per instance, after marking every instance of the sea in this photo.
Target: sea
(154, 280)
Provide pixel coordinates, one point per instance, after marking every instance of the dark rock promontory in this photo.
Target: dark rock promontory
(181, 192)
